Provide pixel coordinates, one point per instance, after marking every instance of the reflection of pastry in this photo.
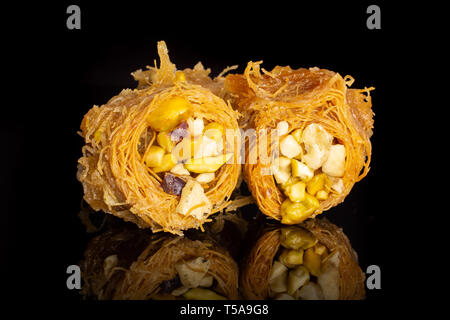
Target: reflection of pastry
(312, 138)
(137, 265)
(163, 155)
(313, 260)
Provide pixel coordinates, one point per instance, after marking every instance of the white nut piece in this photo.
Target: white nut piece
(335, 164)
(328, 281)
(283, 128)
(205, 177)
(179, 169)
(281, 169)
(297, 278)
(278, 279)
(289, 147)
(193, 196)
(301, 170)
(315, 134)
(277, 269)
(317, 143)
(195, 126)
(310, 291)
(193, 271)
(337, 184)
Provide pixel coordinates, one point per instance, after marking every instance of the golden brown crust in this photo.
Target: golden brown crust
(145, 260)
(300, 97)
(142, 280)
(255, 273)
(112, 170)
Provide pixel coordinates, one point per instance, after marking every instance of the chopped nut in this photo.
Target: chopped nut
(180, 170)
(207, 164)
(193, 201)
(180, 132)
(196, 126)
(291, 258)
(297, 237)
(312, 262)
(169, 114)
(289, 147)
(317, 183)
(335, 164)
(277, 269)
(337, 184)
(296, 212)
(283, 128)
(301, 170)
(171, 184)
(279, 283)
(154, 156)
(317, 143)
(296, 191)
(165, 141)
(281, 169)
(329, 282)
(322, 195)
(214, 131)
(297, 278)
(205, 177)
(297, 134)
(167, 163)
(192, 272)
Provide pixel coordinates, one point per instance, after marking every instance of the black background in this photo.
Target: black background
(62, 73)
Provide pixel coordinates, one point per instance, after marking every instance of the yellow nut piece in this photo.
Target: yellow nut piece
(180, 76)
(214, 131)
(296, 191)
(301, 170)
(297, 134)
(311, 260)
(322, 195)
(291, 258)
(168, 162)
(317, 183)
(207, 164)
(164, 140)
(297, 238)
(296, 212)
(154, 156)
(169, 114)
(321, 250)
(202, 294)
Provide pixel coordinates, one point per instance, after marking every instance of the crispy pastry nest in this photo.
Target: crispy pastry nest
(112, 171)
(146, 260)
(300, 97)
(254, 279)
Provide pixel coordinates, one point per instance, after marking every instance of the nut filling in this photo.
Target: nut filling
(186, 153)
(303, 268)
(309, 167)
(192, 281)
